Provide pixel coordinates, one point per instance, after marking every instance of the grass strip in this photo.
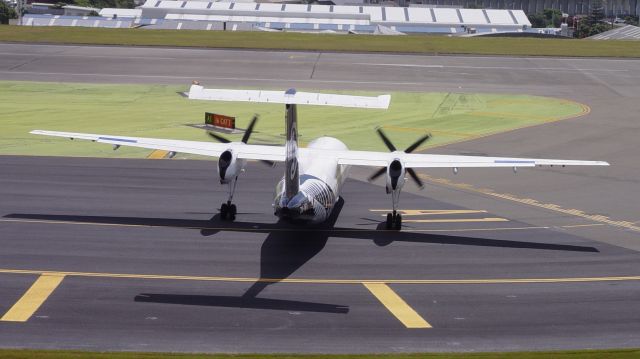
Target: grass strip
(157, 111)
(323, 42)
(582, 354)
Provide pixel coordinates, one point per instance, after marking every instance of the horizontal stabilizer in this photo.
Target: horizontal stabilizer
(197, 92)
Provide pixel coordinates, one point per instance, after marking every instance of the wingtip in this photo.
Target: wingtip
(385, 101)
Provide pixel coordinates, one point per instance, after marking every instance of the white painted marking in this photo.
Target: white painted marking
(488, 67)
(93, 56)
(190, 77)
(463, 57)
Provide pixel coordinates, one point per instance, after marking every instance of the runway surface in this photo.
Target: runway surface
(142, 217)
(125, 254)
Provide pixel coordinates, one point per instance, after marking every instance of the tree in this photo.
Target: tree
(631, 20)
(100, 4)
(126, 4)
(6, 13)
(592, 24)
(596, 13)
(537, 20)
(548, 18)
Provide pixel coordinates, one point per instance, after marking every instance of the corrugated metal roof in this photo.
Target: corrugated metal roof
(627, 32)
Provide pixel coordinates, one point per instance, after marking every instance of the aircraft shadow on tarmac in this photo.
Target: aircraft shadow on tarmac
(286, 249)
(242, 302)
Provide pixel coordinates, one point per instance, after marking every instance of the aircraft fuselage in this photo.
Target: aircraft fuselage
(321, 180)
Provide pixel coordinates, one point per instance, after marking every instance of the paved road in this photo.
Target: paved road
(552, 223)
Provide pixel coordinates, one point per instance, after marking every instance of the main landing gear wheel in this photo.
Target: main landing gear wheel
(397, 223)
(394, 221)
(228, 211)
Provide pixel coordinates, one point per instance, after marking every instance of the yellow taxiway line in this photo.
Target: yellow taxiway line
(532, 202)
(456, 220)
(322, 281)
(438, 212)
(429, 212)
(48, 281)
(157, 155)
(33, 298)
(398, 307)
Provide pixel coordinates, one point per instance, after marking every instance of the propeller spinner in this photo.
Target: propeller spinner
(392, 148)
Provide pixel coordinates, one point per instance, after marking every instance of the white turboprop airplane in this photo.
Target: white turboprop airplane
(314, 175)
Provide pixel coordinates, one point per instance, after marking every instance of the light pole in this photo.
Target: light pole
(20, 10)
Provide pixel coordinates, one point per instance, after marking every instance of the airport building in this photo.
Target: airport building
(571, 7)
(210, 15)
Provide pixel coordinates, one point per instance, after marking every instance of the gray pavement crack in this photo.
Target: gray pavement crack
(315, 64)
(22, 64)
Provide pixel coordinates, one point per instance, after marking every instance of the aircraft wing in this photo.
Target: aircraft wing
(382, 159)
(354, 158)
(254, 152)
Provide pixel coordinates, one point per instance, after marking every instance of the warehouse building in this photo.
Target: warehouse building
(211, 15)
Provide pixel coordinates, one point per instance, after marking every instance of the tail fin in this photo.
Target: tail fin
(291, 176)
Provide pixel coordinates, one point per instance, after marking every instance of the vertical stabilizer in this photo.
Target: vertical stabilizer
(291, 176)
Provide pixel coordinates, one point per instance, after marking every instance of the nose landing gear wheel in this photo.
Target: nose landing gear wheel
(389, 220)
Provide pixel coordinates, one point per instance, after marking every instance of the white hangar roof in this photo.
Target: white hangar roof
(331, 14)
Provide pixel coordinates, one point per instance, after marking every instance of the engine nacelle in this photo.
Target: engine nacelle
(229, 167)
(395, 175)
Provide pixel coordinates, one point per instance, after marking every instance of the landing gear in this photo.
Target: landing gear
(394, 221)
(229, 210)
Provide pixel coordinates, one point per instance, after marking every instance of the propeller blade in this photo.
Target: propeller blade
(217, 137)
(386, 140)
(415, 177)
(249, 130)
(417, 143)
(268, 163)
(377, 174)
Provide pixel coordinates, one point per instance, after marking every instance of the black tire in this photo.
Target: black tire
(389, 220)
(397, 223)
(232, 212)
(224, 210)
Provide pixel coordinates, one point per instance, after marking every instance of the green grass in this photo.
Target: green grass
(158, 111)
(323, 42)
(584, 354)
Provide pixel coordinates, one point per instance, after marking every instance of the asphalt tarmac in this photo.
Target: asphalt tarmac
(98, 219)
(131, 254)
